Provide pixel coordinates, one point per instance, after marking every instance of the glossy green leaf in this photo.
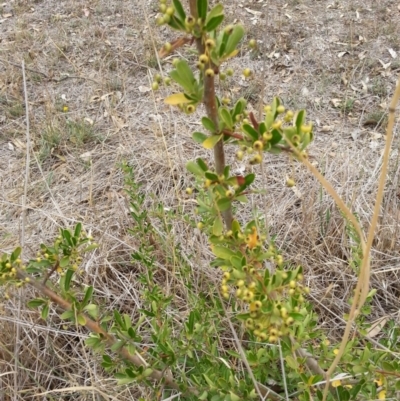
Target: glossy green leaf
(35, 303)
(215, 12)
(276, 137)
(117, 345)
(179, 9)
(92, 310)
(224, 204)
(81, 320)
(14, 256)
(208, 124)
(45, 311)
(194, 168)
(249, 179)
(199, 137)
(211, 176)
(250, 131)
(90, 247)
(69, 314)
(78, 229)
(176, 23)
(242, 198)
(214, 23)
(300, 120)
(222, 252)
(64, 262)
(234, 38)
(211, 141)
(67, 279)
(226, 117)
(218, 227)
(88, 296)
(202, 164)
(202, 6)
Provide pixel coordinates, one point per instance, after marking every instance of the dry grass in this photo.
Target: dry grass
(95, 58)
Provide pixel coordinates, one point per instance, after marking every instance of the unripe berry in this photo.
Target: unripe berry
(222, 76)
(252, 43)
(267, 136)
(200, 225)
(163, 8)
(239, 155)
(227, 275)
(277, 124)
(210, 43)
(256, 159)
(280, 109)
(189, 191)
(258, 145)
(229, 72)
(288, 116)
(167, 47)
(240, 283)
(170, 11)
(203, 59)
(154, 86)
(247, 72)
(230, 193)
(209, 72)
(226, 100)
(190, 108)
(292, 284)
(166, 18)
(290, 183)
(175, 62)
(167, 81)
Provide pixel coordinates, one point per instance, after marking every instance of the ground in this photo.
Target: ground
(88, 72)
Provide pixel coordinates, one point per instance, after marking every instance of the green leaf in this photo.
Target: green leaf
(211, 176)
(195, 169)
(203, 396)
(296, 316)
(211, 141)
(398, 385)
(177, 23)
(117, 345)
(218, 226)
(90, 248)
(179, 9)
(249, 179)
(213, 23)
(119, 321)
(92, 310)
(226, 117)
(186, 74)
(67, 237)
(388, 367)
(125, 380)
(208, 124)
(262, 128)
(250, 131)
(14, 256)
(202, 6)
(222, 252)
(202, 164)
(35, 303)
(78, 229)
(81, 320)
(239, 107)
(199, 137)
(234, 38)
(234, 397)
(215, 12)
(242, 199)
(300, 120)
(45, 311)
(64, 262)
(69, 314)
(67, 279)
(88, 296)
(292, 362)
(276, 137)
(224, 204)
(92, 341)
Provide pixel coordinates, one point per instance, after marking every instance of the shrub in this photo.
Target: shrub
(276, 351)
